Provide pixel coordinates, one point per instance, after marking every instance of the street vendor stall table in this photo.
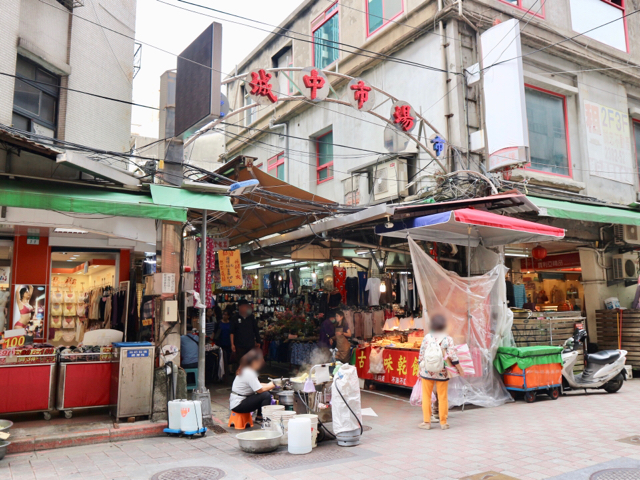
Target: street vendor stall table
(84, 380)
(30, 373)
(400, 366)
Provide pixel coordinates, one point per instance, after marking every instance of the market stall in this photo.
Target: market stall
(30, 372)
(89, 367)
(475, 306)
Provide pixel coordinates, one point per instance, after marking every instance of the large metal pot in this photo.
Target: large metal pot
(3, 448)
(259, 441)
(285, 397)
(5, 425)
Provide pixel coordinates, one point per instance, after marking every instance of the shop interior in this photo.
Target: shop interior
(545, 278)
(80, 281)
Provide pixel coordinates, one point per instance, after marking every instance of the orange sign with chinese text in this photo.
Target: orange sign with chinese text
(230, 268)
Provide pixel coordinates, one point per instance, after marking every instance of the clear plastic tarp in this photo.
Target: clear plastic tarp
(477, 314)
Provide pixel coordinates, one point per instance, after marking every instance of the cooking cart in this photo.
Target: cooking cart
(31, 375)
(84, 380)
(531, 370)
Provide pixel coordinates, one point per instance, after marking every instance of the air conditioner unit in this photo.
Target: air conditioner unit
(629, 234)
(625, 266)
(356, 189)
(390, 180)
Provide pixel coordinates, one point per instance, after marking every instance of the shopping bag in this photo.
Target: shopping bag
(466, 362)
(376, 362)
(416, 394)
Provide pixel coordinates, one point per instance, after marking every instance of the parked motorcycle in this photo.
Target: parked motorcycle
(603, 369)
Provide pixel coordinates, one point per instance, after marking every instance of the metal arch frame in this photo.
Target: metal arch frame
(286, 98)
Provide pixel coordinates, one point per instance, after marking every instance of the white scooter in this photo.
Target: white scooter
(603, 369)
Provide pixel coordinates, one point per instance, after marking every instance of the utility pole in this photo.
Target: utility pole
(201, 392)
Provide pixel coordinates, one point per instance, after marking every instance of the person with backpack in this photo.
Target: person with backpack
(436, 345)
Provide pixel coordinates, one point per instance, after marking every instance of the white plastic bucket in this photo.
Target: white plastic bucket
(267, 409)
(314, 427)
(299, 436)
(281, 418)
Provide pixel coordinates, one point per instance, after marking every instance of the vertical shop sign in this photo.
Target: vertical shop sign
(609, 143)
(230, 268)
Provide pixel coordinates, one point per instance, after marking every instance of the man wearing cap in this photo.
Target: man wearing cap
(245, 333)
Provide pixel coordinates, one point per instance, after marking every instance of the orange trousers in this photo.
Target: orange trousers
(443, 402)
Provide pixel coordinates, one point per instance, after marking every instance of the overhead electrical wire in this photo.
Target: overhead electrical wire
(563, 41)
(325, 42)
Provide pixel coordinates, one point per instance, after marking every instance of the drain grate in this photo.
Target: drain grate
(190, 473)
(617, 474)
(283, 459)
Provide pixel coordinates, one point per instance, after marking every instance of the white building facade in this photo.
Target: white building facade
(566, 81)
(83, 45)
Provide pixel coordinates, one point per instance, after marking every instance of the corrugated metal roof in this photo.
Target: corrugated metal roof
(22, 141)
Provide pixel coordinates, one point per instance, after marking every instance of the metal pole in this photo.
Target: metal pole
(469, 280)
(203, 297)
(201, 393)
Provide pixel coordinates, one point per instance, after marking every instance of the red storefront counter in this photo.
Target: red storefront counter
(27, 387)
(84, 381)
(400, 366)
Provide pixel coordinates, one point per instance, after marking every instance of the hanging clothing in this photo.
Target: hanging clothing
(348, 317)
(378, 322)
(339, 282)
(352, 290)
(363, 298)
(358, 320)
(404, 290)
(368, 325)
(373, 287)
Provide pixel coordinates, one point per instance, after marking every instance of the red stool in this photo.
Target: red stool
(240, 420)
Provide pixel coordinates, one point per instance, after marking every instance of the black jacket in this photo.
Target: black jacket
(245, 331)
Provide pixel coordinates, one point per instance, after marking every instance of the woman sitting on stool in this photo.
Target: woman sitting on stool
(247, 393)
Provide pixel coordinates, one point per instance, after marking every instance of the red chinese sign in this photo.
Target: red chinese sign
(361, 94)
(314, 82)
(260, 85)
(400, 366)
(552, 262)
(402, 116)
(230, 268)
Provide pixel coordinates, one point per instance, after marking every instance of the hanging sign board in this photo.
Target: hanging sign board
(219, 244)
(552, 262)
(609, 143)
(230, 268)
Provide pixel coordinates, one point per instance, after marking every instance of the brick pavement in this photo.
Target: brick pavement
(525, 441)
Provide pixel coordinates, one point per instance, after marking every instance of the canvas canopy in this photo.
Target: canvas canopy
(471, 227)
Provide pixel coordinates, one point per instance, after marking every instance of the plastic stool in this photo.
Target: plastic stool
(240, 420)
(191, 386)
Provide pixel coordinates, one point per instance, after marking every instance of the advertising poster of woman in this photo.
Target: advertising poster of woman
(28, 309)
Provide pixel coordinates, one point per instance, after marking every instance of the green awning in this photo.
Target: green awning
(72, 198)
(588, 213)
(180, 197)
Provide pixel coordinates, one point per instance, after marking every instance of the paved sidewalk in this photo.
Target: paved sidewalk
(570, 439)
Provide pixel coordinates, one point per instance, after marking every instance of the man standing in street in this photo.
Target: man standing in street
(245, 333)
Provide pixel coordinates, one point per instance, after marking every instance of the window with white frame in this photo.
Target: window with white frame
(326, 35)
(548, 131)
(324, 157)
(381, 12)
(275, 166)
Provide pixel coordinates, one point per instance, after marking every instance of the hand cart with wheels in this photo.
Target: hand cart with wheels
(531, 370)
(84, 380)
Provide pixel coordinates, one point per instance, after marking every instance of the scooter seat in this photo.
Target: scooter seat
(603, 357)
